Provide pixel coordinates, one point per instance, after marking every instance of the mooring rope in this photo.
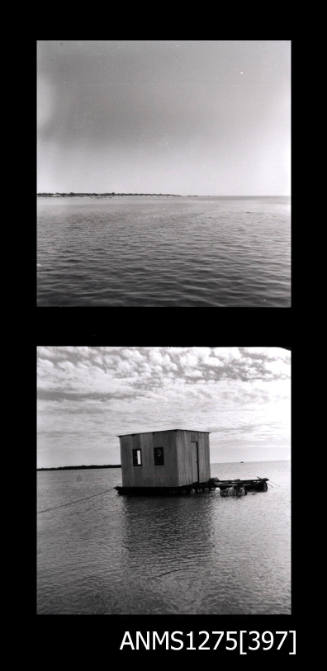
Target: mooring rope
(71, 503)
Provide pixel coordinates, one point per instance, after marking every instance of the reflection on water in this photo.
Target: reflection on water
(192, 554)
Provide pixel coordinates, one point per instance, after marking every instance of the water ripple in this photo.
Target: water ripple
(200, 554)
(145, 252)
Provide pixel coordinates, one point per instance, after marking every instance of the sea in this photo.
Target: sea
(146, 251)
(102, 553)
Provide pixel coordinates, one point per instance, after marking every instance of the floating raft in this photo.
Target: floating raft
(227, 488)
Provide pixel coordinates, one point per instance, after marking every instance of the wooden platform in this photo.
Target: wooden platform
(227, 488)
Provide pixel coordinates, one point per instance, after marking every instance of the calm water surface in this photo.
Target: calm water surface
(143, 251)
(99, 552)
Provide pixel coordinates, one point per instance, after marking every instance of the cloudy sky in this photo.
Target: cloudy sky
(188, 117)
(89, 395)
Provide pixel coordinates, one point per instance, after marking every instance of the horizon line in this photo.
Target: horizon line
(153, 193)
(48, 468)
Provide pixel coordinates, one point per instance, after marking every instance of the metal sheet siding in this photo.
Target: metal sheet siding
(180, 463)
(149, 475)
(204, 454)
(187, 462)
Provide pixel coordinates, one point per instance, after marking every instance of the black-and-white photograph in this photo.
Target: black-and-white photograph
(163, 173)
(163, 481)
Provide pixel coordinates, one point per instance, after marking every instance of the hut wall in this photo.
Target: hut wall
(180, 459)
(188, 471)
(149, 474)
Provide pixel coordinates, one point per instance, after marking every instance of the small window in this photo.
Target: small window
(158, 456)
(137, 457)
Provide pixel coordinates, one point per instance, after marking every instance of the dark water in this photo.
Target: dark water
(194, 554)
(143, 251)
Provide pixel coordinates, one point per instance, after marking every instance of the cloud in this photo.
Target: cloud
(61, 396)
(87, 370)
(96, 393)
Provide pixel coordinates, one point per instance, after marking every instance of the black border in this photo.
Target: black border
(107, 630)
(166, 326)
(90, 636)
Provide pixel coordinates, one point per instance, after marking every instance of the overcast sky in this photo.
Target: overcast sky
(189, 117)
(89, 395)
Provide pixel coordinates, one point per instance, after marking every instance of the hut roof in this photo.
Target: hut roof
(137, 433)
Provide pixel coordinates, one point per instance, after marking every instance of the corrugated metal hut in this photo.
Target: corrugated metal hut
(164, 459)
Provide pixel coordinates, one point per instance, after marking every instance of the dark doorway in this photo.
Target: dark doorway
(196, 450)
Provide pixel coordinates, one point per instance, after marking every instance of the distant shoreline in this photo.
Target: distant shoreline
(111, 195)
(78, 468)
(152, 195)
